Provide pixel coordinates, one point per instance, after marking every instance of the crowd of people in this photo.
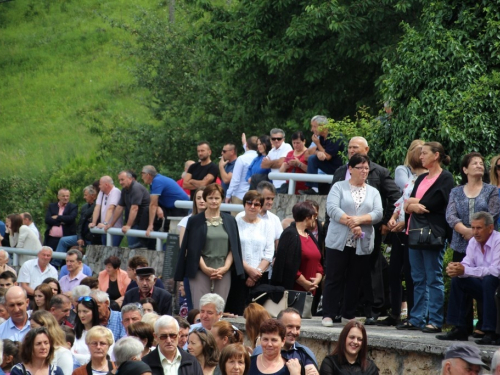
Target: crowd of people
(63, 316)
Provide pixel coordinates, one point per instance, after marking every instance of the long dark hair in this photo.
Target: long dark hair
(91, 304)
(266, 142)
(340, 349)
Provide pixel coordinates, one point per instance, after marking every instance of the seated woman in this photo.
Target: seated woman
(87, 317)
(254, 316)
(295, 160)
(225, 334)
(99, 341)
(270, 362)
(298, 260)
(234, 360)
(21, 236)
(42, 296)
(37, 353)
(202, 345)
(128, 354)
(350, 354)
(255, 173)
(145, 333)
(113, 280)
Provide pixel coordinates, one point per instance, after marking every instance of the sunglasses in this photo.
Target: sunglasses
(164, 336)
(224, 151)
(254, 204)
(85, 298)
(497, 167)
(276, 139)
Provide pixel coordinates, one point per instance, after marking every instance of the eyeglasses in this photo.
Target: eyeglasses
(362, 168)
(276, 139)
(85, 298)
(164, 336)
(253, 204)
(96, 343)
(497, 167)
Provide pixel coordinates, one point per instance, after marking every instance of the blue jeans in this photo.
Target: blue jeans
(314, 164)
(427, 275)
(116, 240)
(65, 243)
(483, 291)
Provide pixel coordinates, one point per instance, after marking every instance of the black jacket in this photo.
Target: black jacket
(189, 364)
(162, 298)
(67, 219)
(436, 200)
(288, 257)
(194, 242)
(86, 213)
(380, 179)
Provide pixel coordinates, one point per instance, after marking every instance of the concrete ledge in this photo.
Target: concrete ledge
(394, 352)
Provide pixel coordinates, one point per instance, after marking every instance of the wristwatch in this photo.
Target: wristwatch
(105, 222)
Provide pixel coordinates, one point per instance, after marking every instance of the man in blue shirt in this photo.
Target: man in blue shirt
(226, 164)
(107, 317)
(18, 325)
(164, 191)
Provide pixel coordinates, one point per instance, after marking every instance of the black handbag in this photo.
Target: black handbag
(424, 236)
(302, 302)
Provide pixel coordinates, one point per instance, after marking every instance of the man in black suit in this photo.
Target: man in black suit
(60, 219)
(146, 280)
(380, 179)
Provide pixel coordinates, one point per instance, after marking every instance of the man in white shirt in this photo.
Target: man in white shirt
(277, 155)
(168, 359)
(239, 185)
(106, 202)
(28, 221)
(34, 271)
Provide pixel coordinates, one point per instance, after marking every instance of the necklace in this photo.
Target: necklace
(270, 364)
(214, 221)
(100, 368)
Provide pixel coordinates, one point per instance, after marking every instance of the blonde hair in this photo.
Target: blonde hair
(98, 332)
(47, 320)
(493, 174)
(409, 154)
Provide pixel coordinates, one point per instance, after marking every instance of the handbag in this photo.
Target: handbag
(302, 302)
(273, 308)
(423, 236)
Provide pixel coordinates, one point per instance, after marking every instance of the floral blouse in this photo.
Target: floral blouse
(406, 195)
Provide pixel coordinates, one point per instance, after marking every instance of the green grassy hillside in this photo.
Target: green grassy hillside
(62, 69)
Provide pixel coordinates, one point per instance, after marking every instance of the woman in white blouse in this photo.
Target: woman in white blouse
(257, 244)
(21, 236)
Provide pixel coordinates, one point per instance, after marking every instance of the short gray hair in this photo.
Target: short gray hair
(483, 215)
(166, 321)
(78, 253)
(100, 296)
(261, 186)
(127, 173)
(214, 298)
(90, 190)
(80, 291)
(320, 120)
(127, 348)
(362, 139)
(46, 248)
(107, 180)
(278, 130)
(149, 169)
(132, 307)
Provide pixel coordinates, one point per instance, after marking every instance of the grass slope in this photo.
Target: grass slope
(62, 69)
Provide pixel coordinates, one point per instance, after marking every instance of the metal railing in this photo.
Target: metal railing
(229, 207)
(294, 177)
(159, 236)
(16, 252)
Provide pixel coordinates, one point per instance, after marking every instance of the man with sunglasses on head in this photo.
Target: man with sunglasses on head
(277, 155)
(107, 200)
(146, 280)
(239, 184)
(168, 359)
(226, 164)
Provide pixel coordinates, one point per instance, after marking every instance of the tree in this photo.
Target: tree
(444, 81)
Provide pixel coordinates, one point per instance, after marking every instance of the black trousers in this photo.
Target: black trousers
(344, 272)
(400, 264)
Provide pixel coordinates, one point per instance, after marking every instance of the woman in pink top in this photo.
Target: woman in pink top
(429, 197)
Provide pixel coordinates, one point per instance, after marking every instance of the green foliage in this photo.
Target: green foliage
(363, 124)
(23, 194)
(444, 81)
(62, 71)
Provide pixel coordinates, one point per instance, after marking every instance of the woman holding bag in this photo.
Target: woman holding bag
(427, 207)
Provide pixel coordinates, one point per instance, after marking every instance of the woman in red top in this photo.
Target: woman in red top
(298, 259)
(295, 161)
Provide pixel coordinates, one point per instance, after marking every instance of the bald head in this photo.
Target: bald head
(16, 303)
(188, 164)
(106, 184)
(358, 145)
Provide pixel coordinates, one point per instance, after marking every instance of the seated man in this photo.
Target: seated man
(34, 271)
(462, 359)
(291, 319)
(7, 279)
(476, 275)
(133, 264)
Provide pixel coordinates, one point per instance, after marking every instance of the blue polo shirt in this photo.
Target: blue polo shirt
(8, 330)
(167, 190)
(229, 167)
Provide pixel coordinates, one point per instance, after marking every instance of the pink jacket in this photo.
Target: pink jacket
(121, 277)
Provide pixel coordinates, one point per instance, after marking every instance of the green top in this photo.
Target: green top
(216, 246)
